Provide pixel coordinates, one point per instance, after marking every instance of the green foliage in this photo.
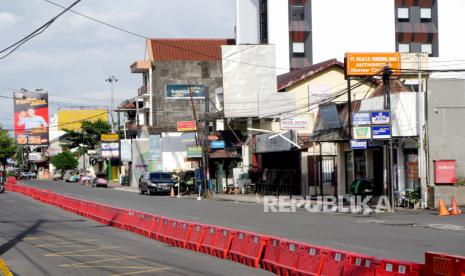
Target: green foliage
(89, 136)
(7, 146)
(64, 161)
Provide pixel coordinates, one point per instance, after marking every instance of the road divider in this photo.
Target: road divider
(277, 255)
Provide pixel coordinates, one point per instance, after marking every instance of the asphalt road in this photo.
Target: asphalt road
(403, 235)
(39, 239)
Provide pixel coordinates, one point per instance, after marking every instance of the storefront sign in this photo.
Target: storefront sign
(361, 118)
(294, 123)
(212, 138)
(381, 132)
(362, 133)
(186, 126)
(355, 144)
(371, 64)
(194, 152)
(445, 171)
(184, 91)
(109, 137)
(110, 150)
(217, 144)
(381, 118)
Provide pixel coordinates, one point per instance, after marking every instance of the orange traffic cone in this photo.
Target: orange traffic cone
(455, 210)
(442, 208)
(172, 192)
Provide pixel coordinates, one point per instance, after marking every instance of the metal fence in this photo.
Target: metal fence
(279, 182)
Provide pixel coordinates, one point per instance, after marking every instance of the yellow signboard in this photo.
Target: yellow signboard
(371, 64)
(110, 137)
(72, 118)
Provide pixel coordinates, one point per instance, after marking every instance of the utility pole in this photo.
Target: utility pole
(112, 80)
(387, 72)
(205, 141)
(421, 134)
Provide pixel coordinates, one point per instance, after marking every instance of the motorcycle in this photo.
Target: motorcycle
(2, 188)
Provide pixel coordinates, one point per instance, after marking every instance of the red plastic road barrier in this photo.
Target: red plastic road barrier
(288, 258)
(333, 262)
(310, 260)
(443, 264)
(238, 245)
(271, 256)
(155, 228)
(223, 241)
(11, 180)
(401, 268)
(209, 239)
(196, 237)
(182, 232)
(119, 218)
(247, 248)
(359, 265)
(166, 230)
(144, 224)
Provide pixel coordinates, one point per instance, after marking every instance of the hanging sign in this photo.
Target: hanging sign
(380, 117)
(381, 132)
(362, 133)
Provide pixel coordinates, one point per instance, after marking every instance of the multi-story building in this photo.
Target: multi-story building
(312, 31)
(177, 75)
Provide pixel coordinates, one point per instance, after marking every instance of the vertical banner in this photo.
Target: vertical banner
(155, 147)
(31, 117)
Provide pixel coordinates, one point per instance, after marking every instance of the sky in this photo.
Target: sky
(72, 58)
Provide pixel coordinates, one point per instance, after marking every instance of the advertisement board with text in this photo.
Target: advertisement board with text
(31, 118)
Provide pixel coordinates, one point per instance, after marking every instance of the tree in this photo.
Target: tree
(64, 161)
(89, 135)
(7, 147)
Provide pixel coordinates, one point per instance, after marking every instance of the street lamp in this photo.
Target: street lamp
(112, 79)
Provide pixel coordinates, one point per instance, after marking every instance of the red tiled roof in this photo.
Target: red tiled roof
(288, 79)
(188, 49)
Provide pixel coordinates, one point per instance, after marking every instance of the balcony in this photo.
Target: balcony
(143, 91)
(140, 66)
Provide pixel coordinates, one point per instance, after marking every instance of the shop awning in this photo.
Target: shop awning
(224, 153)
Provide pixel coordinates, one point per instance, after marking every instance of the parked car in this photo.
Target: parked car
(27, 175)
(100, 180)
(156, 182)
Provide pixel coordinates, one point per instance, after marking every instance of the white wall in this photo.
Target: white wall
(247, 22)
(278, 33)
(451, 25)
(370, 27)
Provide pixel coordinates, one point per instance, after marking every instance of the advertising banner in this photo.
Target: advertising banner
(155, 147)
(110, 150)
(126, 152)
(31, 118)
(183, 91)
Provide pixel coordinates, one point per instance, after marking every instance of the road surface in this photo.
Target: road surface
(403, 235)
(39, 239)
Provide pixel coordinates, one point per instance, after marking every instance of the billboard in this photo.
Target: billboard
(31, 117)
(184, 91)
(371, 64)
(72, 119)
(186, 126)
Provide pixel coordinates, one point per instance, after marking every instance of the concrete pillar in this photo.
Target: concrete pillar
(400, 169)
(304, 172)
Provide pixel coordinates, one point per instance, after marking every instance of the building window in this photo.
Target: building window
(425, 14)
(427, 48)
(403, 14)
(297, 13)
(298, 49)
(404, 48)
